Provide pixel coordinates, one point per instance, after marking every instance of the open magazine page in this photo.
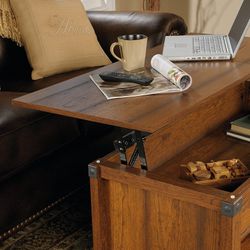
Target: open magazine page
(159, 85)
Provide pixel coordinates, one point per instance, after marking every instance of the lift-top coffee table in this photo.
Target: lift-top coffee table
(148, 206)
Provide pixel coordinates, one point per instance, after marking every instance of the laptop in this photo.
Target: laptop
(209, 47)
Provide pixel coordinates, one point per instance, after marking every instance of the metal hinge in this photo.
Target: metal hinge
(122, 144)
(230, 209)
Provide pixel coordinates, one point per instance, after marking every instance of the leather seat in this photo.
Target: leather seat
(27, 135)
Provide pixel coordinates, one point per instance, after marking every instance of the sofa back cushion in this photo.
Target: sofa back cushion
(57, 36)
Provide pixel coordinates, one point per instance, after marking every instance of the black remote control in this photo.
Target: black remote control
(126, 77)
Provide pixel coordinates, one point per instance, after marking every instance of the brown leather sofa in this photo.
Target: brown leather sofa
(44, 157)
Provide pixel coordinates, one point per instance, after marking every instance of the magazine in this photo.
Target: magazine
(168, 78)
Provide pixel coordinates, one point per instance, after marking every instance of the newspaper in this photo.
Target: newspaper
(168, 78)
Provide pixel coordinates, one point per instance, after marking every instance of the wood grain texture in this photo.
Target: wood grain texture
(244, 191)
(245, 245)
(127, 206)
(146, 219)
(197, 194)
(181, 225)
(215, 146)
(190, 126)
(135, 209)
(100, 211)
(80, 98)
(175, 209)
(175, 213)
(230, 235)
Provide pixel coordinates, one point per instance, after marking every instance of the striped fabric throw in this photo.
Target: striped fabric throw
(8, 25)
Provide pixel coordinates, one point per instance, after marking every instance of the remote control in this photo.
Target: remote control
(126, 77)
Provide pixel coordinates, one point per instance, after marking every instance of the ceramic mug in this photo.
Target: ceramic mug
(132, 49)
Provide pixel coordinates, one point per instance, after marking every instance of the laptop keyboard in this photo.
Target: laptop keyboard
(209, 45)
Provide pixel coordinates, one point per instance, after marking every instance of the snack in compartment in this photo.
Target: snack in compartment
(201, 165)
(215, 170)
(196, 166)
(220, 172)
(202, 175)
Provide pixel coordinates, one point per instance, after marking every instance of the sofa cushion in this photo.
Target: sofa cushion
(27, 135)
(57, 36)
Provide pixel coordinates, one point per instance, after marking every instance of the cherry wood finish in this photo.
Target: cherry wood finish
(149, 212)
(159, 210)
(80, 98)
(246, 244)
(156, 209)
(102, 235)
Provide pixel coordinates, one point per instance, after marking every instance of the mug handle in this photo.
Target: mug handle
(112, 47)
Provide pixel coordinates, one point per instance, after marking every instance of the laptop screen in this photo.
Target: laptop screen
(240, 25)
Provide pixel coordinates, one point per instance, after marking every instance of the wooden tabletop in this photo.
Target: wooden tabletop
(80, 98)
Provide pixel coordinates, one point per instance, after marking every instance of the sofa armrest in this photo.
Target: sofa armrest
(156, 25)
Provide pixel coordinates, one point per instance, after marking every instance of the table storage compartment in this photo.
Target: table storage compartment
(157, 209)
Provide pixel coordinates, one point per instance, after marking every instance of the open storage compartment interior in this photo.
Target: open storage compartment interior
(216, 146)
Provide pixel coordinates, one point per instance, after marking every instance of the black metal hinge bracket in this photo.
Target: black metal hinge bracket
(128, 140)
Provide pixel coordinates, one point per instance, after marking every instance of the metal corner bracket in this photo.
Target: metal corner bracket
(93, 171)
(231, 209)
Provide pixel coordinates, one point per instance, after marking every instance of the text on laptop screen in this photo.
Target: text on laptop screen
(240, 24)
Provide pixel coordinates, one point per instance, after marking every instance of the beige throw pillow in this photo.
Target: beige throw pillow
(57, 36)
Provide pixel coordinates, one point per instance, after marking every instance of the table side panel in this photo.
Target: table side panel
(244, 192)
(100, 213)
(246, 244)
(146, 219)
(127, 217)
(202, 196)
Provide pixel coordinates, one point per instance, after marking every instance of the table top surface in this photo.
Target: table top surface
(80, 98)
